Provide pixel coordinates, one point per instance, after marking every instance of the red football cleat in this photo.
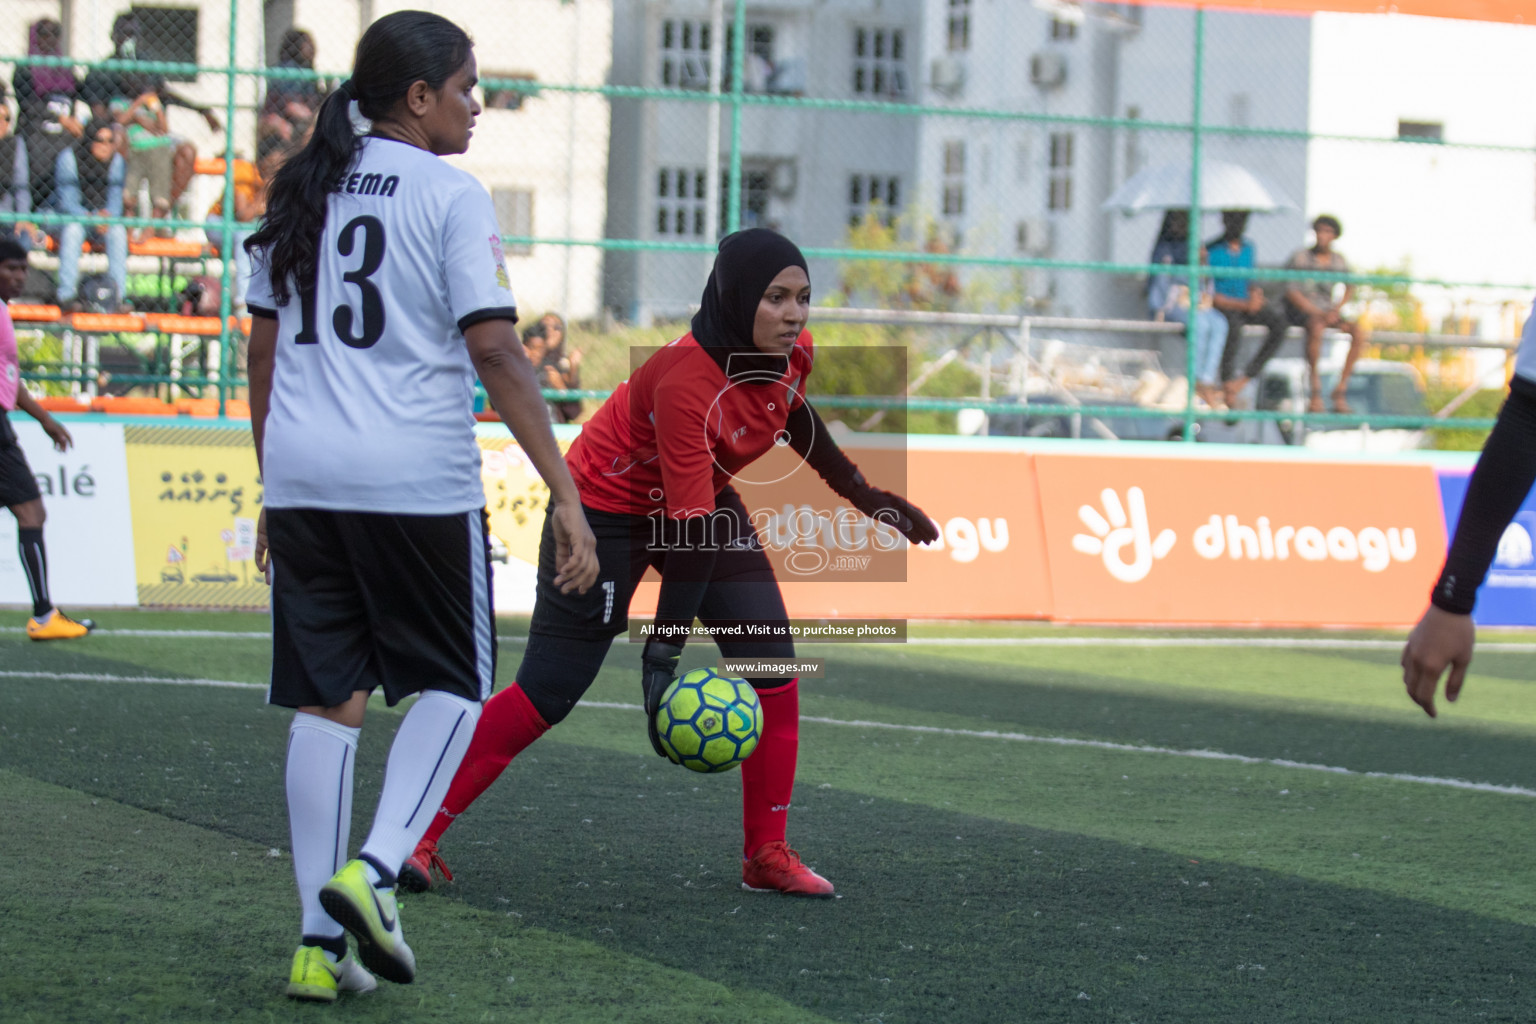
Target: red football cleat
(777, 868)
(416, 873)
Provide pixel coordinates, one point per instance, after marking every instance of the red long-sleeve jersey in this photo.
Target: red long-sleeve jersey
(672, 436)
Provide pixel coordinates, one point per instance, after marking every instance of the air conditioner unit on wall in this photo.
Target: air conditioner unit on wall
(947, 76)
(1047, 69)
(1034, 236)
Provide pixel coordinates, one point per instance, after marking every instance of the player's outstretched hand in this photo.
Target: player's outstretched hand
(894, 510)
(658, 667)
(263, 555)
(575, 549)
(1441, 640)
(58, 434)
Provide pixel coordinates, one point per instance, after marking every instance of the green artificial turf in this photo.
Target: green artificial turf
(982, 876)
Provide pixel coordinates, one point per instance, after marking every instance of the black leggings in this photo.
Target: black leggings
(570, 633)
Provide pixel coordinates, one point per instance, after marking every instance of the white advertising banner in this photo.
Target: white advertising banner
(89, 532)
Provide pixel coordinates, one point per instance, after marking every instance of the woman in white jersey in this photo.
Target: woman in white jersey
(380, 293)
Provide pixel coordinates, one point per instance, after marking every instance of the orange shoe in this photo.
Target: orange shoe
(58, 627)
(777, 868)
(416, 873)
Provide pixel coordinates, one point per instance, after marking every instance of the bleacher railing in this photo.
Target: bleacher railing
(902, 223)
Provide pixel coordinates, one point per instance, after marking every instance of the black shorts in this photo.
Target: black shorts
(17, 484)
(742, 588)
(1294, 314)
(367, 599)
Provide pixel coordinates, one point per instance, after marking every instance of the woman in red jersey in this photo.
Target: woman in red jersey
(654, 467)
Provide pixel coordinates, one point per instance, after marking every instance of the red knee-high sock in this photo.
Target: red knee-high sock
(768, 776)
(508, 724)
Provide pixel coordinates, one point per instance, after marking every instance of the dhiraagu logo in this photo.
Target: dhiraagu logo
(1122, 536)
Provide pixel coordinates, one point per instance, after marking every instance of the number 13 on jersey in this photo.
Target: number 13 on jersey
(372, 231)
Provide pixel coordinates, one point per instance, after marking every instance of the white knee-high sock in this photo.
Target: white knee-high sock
(422, 761)
(320, 759)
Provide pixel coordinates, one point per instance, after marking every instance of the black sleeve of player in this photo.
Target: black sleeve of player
(261, 311)
(1503, 477)
(812, 441)
(685, 575)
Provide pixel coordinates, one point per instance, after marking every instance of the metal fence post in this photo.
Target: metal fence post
(1192, 243)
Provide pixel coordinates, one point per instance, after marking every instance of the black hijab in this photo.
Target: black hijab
(746, 265)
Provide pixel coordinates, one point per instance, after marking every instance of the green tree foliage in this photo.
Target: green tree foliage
(41, 352)
(1483, 405)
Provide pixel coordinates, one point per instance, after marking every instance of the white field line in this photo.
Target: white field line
(934, 730)
(1127, 748)
(102, 677)
(1301, 643)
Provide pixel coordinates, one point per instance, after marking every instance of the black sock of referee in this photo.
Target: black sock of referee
(34, 558)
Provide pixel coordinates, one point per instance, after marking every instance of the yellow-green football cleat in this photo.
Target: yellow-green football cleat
(315, 977)
(372, 917)
(58, 627)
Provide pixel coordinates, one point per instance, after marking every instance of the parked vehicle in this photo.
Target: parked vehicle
(1376, 388)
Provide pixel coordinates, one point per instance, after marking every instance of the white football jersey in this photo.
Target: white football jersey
(1525, 356)
(372, 387)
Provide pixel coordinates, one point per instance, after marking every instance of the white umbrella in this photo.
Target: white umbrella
(1223, 186)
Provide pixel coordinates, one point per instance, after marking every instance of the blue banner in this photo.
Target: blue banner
(1508, 595)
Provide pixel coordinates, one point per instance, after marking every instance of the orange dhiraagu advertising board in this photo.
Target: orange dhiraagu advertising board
(1517, 11)
(989, 563)
(1205, 540)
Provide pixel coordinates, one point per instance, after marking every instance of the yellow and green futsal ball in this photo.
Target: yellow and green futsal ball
(709, 722)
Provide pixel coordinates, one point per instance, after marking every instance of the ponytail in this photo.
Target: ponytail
(290, 233)
(397, 51)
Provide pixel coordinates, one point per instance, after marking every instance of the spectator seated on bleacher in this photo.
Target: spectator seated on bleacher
(15, 180)
(250, 181)
(1311, 304)
(138, 102)
(89, 180)
(1168, 298)
(45, 110)
(289, 109)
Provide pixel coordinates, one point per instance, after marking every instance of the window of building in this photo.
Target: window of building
(514, 212)
(1061, 193)
(680, 201)
(959, 25)
(1060, 197)
(1061, 150)
(874, 195)
(1063, 29)
(757, 182)
(954, 157)
(954, 178)
(880, 62)
(168, 34)
(758, 68)
(1421, 131)
(685, 53)
(686, 50)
